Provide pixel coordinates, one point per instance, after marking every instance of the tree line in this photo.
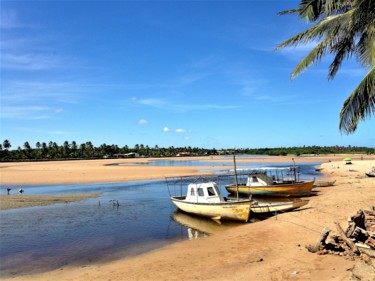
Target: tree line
(72, 150)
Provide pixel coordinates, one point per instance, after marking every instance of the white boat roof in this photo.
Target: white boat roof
(266, 169)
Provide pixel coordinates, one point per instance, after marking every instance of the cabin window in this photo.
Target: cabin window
(255, 179)
(200, 192)
(211, 191)
(192, 192)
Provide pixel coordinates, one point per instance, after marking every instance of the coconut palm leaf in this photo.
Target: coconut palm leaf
(312, 10)
(330, 24)
(359, 105)
(344, 28)
(366, 48)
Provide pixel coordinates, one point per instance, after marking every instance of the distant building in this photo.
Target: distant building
(183, 154)
(126, 155)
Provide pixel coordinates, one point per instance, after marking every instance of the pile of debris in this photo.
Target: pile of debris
(357, 241)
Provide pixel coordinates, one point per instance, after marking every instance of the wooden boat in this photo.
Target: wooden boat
(271, 182)
(272, 207)
(324, 183)
(204, 199)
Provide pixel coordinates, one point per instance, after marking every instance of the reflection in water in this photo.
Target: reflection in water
(202, 227)
(44, 238)
(203, 224)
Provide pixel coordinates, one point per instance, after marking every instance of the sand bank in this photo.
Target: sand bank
(119, 170)
(269, 250)
(22, 201)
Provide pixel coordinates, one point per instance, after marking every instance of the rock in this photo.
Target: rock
(364, 271)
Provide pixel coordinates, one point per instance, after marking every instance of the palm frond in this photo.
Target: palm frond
(318, 31)
(313, 10)
(365, 48)
(314, 56)
(288, 12)
(343, 48)
(359, 105)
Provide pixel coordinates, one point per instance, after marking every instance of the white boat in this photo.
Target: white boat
(204, 199)
(371, 173)
(272, 207)
(324, 183)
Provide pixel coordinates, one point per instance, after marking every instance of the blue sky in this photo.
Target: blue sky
(166, 73)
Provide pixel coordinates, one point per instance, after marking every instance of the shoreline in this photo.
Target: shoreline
(105, 170)
(272, 249)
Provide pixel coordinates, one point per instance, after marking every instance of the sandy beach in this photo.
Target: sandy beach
(273, 249)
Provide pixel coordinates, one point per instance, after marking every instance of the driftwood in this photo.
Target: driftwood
(321, 242)
(349, 242)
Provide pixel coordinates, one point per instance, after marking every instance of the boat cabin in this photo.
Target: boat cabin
(204, 193)
(272, 176)
(258, 180)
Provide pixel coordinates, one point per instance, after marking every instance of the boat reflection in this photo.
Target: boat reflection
(198, 227)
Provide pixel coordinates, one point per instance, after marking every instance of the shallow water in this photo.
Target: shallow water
(43, 238)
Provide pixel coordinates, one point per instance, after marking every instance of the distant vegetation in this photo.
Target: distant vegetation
(53, 151)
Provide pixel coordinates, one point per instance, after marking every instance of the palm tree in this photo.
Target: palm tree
(65, 149)
(44, 150)
(6, 144)
(27, 148)
(74, 148)
(38, 151)
(344, 28)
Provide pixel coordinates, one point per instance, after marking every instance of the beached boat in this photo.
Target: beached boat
(324, 183)
(280, 182)
(272, 207)
(371, 173)
(204, 199)
(348, 160)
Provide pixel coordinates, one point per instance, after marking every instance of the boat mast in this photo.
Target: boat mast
(294, 170)
(235, 173)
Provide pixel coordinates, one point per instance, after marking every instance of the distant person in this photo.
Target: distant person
(20, 190)
(8, 190)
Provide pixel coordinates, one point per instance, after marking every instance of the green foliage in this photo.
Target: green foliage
(344, 29)
(87, 150)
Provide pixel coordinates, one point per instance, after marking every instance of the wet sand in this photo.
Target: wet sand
(273, 249)
(22, 201)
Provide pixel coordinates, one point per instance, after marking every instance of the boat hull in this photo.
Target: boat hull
(231, 210)
(263, 208)
(298, 189)
(325, 183)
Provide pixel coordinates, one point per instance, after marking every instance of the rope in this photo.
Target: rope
(303, 226)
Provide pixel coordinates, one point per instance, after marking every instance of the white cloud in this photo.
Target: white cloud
(25, 112)
(142, 122)
(164, 104)
(180, 131)
(299, 51)
(165, 129)
(33, 61)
